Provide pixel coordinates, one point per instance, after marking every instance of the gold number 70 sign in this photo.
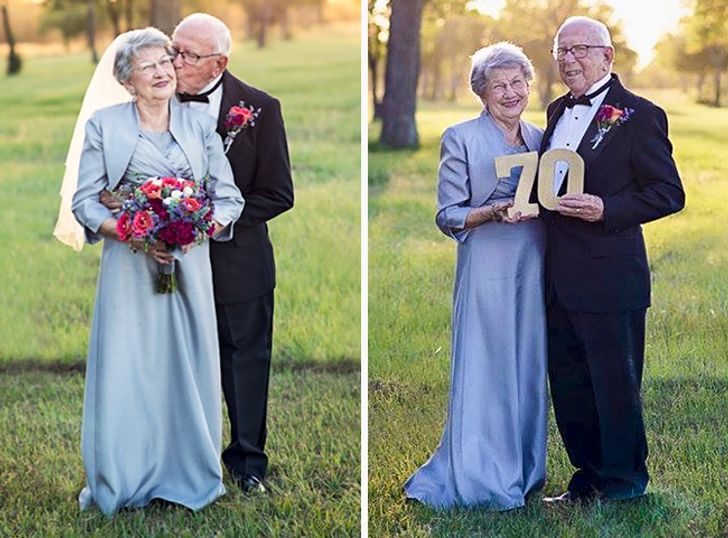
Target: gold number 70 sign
(546, 168)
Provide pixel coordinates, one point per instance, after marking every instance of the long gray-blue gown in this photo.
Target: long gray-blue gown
(493, 449)
(152, 417)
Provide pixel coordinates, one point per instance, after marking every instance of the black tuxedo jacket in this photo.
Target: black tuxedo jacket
(602, 266)
(244, 268)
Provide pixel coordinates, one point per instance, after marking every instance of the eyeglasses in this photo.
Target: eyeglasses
(190, 58)
(500, 88)
(578, 51)
(149, 68)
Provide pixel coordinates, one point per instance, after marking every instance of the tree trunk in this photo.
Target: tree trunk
(91, 30)
(454, 77)
(14, 62)
(544, 89)
(716, 85)
(374, 76)
(399, 129)
(285, 24)
(263, 21)
(114, 16)
(165, 14)
(436, 82)
(129, 14)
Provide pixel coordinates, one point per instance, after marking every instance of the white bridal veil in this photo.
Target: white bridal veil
(102, 91)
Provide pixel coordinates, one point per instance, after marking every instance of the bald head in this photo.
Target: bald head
(207, 28)
(594, 28)
(203, 45)
(584, 53)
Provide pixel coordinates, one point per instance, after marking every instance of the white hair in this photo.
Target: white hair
(600, 30)
(130, 44)
(220, 33)
(497, 55)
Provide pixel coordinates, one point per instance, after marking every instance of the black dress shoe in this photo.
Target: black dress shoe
(568, 497)
(251, 484)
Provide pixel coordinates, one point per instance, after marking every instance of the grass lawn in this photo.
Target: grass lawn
(47, 295)
(411, 271)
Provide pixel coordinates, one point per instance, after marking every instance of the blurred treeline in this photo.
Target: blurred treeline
(693, 58)
(75, 23)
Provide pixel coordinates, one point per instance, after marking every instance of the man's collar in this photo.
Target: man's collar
(212, 83)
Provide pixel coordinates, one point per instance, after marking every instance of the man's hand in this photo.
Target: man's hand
(586, 207)
(109, 200)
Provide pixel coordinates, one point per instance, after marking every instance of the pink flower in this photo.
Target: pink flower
(190, 204)
(142, 223)
(171, 182)
(237, 117)
(609, 114)
(151, 190)
(123, 227)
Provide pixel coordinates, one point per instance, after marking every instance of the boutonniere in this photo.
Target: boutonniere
(608, 117)
(239, 117)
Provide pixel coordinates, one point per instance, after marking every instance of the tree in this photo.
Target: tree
(544, 18)
(70, 21)
(707, 36)
(14, 62)
(399, 129)
(165, 14)
(377, 36)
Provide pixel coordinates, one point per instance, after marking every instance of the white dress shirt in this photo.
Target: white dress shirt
(213, 107)
(572, 126)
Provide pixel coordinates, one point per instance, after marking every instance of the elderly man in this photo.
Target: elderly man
(598, 279)
(243, 269)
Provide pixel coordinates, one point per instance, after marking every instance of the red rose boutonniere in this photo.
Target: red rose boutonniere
(238, 118)
(608, 117)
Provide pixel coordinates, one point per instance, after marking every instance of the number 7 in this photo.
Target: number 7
(546, 195)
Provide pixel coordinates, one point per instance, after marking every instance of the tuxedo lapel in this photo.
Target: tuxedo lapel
(615, 97)
(551, 121)
(226, 103)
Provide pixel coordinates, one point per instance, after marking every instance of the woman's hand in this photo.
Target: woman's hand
(218, 228)
(157, 251)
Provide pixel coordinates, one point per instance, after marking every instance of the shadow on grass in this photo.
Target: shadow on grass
(688, 439)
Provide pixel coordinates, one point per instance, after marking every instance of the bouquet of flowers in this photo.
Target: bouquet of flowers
(176, 211)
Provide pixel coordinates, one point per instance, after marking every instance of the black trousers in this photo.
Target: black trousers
(245, 331)
(595, 374)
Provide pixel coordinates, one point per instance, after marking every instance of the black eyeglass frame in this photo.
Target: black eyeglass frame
(561, 52)
(190, 58)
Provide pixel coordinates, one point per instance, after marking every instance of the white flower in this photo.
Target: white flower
(156, 181)
(187, 191)
(177, 194)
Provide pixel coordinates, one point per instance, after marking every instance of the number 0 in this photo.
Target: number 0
(546, 170)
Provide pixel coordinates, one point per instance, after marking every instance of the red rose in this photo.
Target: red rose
(123, 227)
(190, 204)
(171, 182)
(178, 233)
(158, 207)
(246, 113)
(142, 223)
(151, 190)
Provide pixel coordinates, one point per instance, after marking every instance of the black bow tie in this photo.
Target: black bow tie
(585, 100)
(571, 101)
(200, 97)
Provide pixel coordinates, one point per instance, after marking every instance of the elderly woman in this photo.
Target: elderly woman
(492, 452)
(152, 422)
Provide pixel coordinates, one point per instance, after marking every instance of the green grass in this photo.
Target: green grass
(686, 378)
(47, 295)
